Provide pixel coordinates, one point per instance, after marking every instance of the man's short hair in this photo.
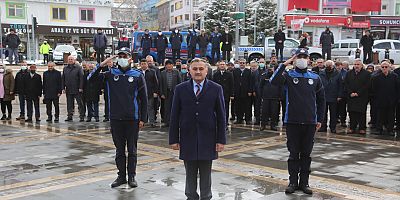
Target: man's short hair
(178, 60)
(51, 63)
(167, 62)
(143, 61)
(198, 60)
(253, 62)
(338, 63)
(329, 62)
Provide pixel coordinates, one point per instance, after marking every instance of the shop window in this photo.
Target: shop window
(86, 14)
(15, 10)
(59, 13)
(396, 45)
(383, 45)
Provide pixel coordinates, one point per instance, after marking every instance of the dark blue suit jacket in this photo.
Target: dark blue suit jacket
(198, 123)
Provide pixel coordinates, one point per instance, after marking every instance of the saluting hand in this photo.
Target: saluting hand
(104, 63)
(289, 61)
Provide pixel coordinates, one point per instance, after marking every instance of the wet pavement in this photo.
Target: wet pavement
(76, 161)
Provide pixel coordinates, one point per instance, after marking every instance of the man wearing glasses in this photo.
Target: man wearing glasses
(304, 114)
(197, 127)
(128, 111)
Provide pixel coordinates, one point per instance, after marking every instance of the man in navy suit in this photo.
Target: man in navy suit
(197, 127)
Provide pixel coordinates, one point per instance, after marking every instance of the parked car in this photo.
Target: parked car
(58, 52)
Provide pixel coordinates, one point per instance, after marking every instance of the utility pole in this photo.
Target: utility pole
(278, 17)
(1, 40)
(28, 50)
(237, 36)
(255, 24)
(33, 38)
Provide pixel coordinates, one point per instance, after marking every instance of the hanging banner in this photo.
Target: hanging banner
(336, 3)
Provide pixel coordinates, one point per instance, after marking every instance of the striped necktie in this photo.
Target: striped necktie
(198, 90)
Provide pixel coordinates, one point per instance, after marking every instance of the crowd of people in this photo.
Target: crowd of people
(250, 98)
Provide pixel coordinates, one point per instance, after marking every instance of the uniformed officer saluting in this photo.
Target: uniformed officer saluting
(127, 99)
(305, 107)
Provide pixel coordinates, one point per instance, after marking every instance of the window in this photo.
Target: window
(59, 13)
(87, 14)
(398, 9)
(353, 45)
(396, 45)
(290, 44)
(383, 45)
(15, 10)
(187, 17)
(178, 5)
(344, 45)
(172, 8)
(335, 46)
(271, 43)
(172, 20)
(187, 2)
(178, 19)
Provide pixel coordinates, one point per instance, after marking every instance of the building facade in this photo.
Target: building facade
(163, 15)
(58, 22)
(184, 14)
(148, 15)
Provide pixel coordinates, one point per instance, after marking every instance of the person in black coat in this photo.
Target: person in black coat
(225, 79)
(367, 41)
(33, 91)
(52, 91)
(169, 80)
(215, 40)
(357, 84)
(12, 42)
(20, 89)
(176, 40)
(152, 90)
(326, 41)
(279, 39)
(243, 92)
(227, 40)
(191, 41)
(203, 41)
(161, 44)
(385, 87)
(145, 43)
(332, 82)
(256, 71)
(271, 96)
(91, 93)
(397, 116)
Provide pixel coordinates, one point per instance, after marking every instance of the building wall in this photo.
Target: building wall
(163, 17)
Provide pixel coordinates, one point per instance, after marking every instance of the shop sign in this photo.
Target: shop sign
(385, 21)
(357, 24)
(81, 31)
(19, 28)
(317, 20)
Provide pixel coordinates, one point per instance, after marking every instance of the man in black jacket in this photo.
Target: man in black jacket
(385, 87)
(271, 96)
(191, 41)
(146, 43)
(52, 91)
(279, 39)
(91, 93)
(367, 41)
(161, 44)
(243, 92)
(326, 41)
(12, 42)
(72, 85)
(169, 80)
(176, 40)
(203, 43)
(100, 45)
(33, 91)
(225, 79)
(152, 90)
(20, 89)
(227, 40)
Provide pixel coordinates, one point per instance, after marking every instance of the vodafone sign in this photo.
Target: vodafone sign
(318, 20)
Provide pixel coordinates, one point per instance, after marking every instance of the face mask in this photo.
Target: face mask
(226, 31)
(1, 70)
(123, 62)
(176, 31)
(236, 65)
(261, 65)
(178, 66)
(301, 63)
(184, 71)
(24, 67)
(159, 33)
(33, 71)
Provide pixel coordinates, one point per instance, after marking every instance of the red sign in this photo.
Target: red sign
(357, 24)
(318, 20)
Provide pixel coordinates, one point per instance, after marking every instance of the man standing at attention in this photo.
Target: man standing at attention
(197, 128)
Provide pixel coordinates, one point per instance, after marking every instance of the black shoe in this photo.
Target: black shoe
(28, 120)
(322, 130)
(81, 120)
(56, 119)
(119, 181)
(4, 117)
(106, 120)
(238, 122)
(9, 117)
(69, 119)
(49, 119)
(306, 189)
(97, 119)
(262, 128)
(89, 120)
(249, 123)
(343, 125)
(132, 182)
(152, 125)
(333, 130)
(257, 122)
(232, 119)
(274, 128)
(291, 188)
(37, 120)
(20, 118)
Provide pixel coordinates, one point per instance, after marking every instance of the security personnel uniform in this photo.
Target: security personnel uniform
(146, 43)
(127, 99)
(305, 107)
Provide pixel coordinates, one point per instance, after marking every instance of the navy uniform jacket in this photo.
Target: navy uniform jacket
(146, 41)
(127, 95)
(305, 96)
(198, 123)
